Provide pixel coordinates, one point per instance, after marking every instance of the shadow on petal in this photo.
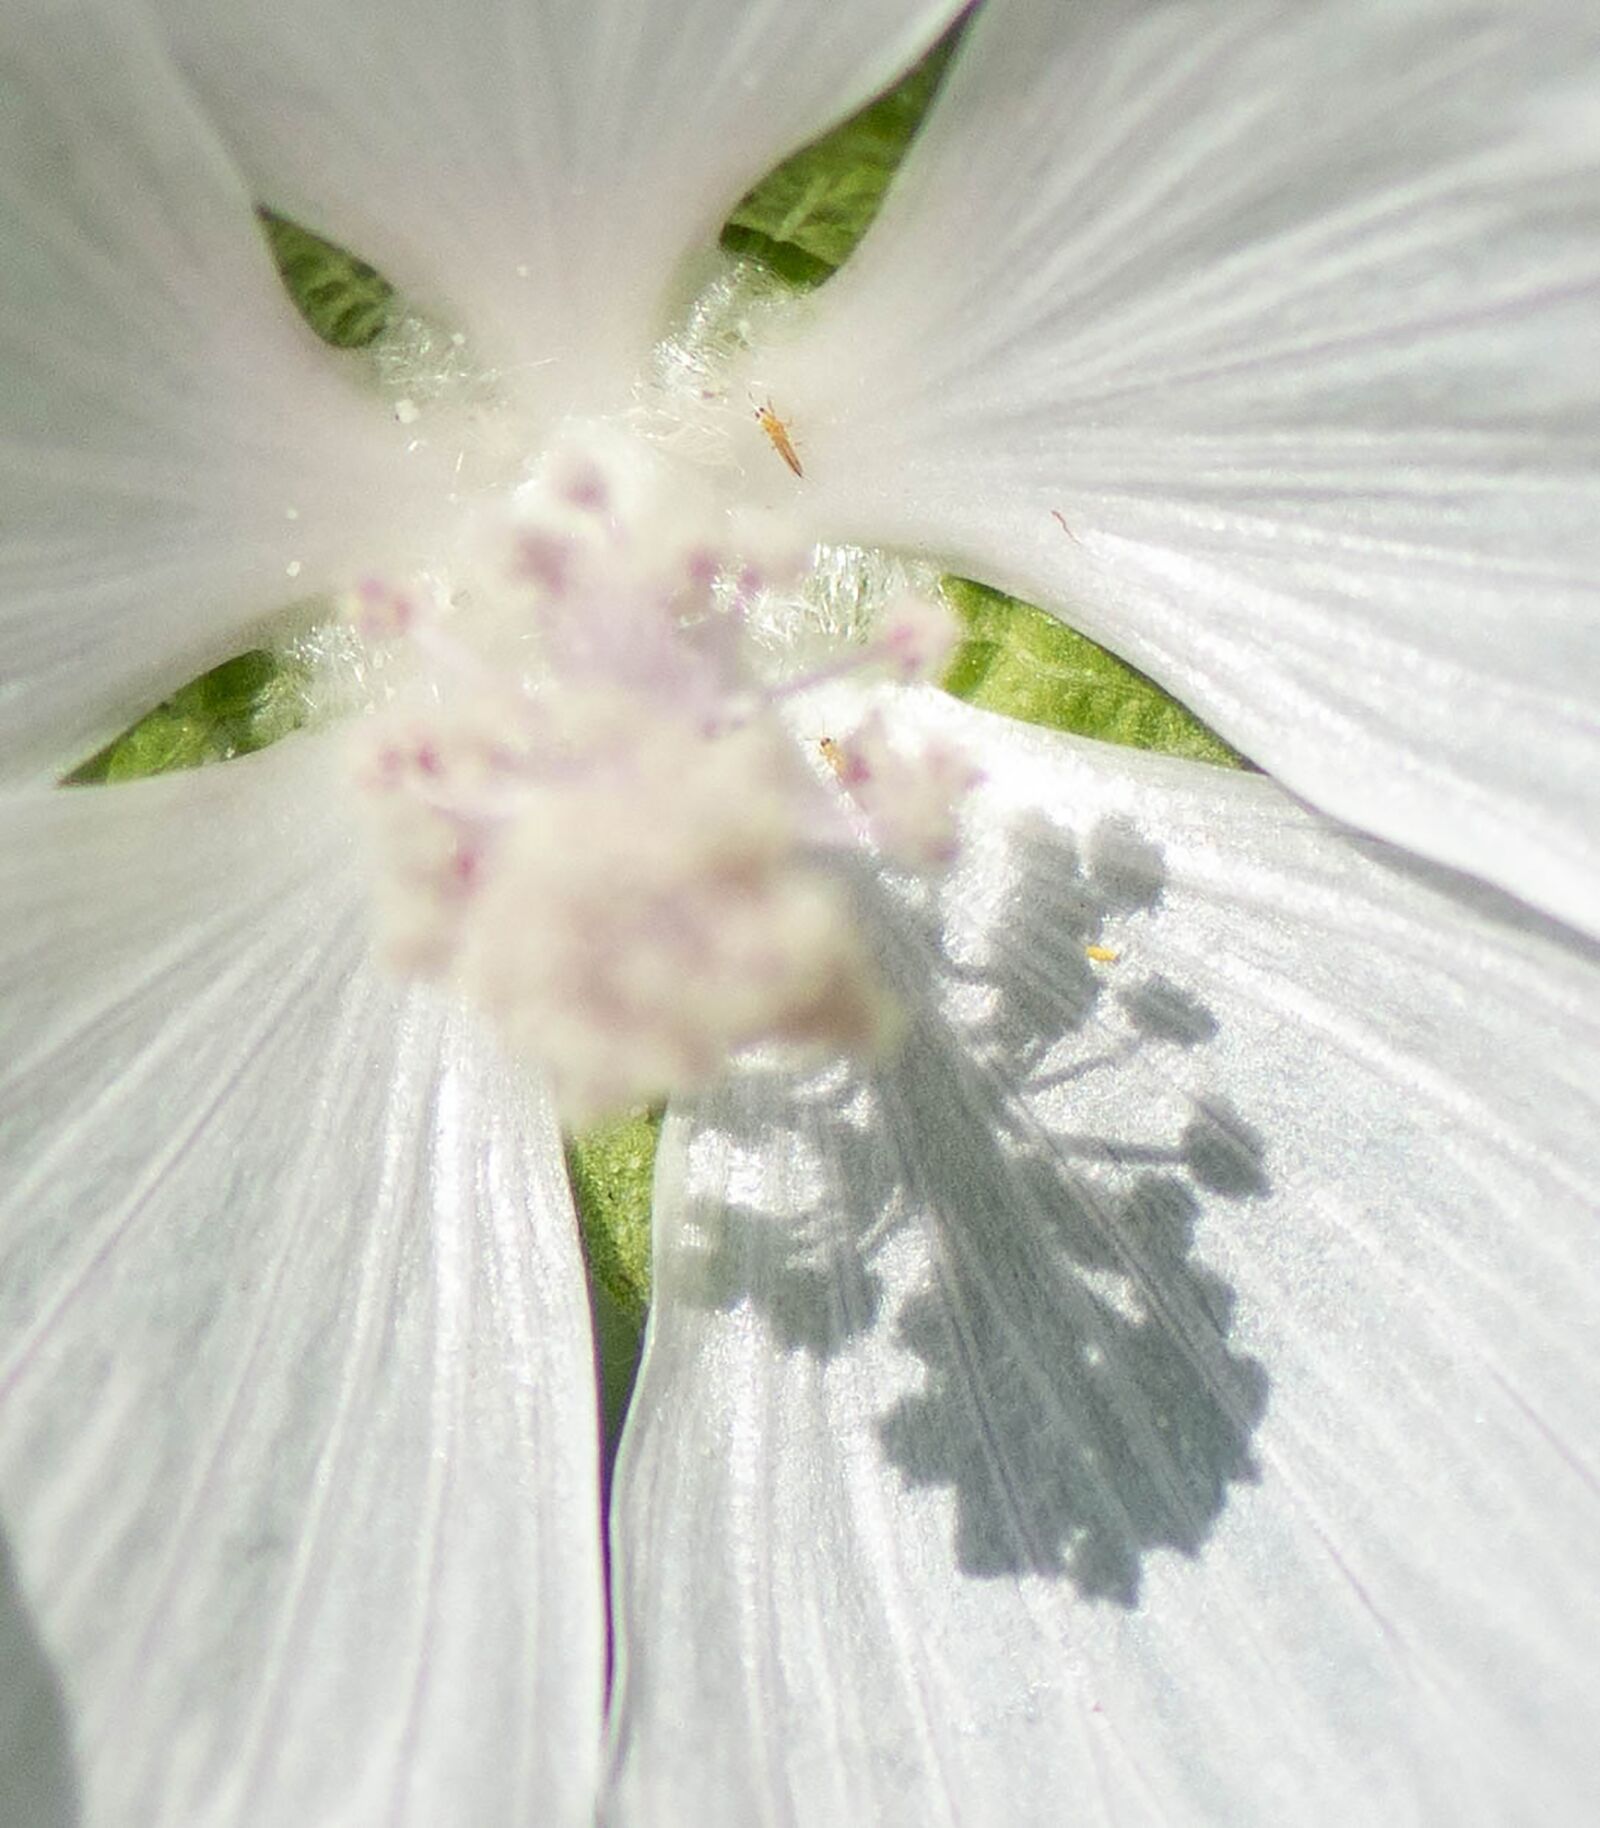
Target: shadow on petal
(38, 1779)
(1013, 1200)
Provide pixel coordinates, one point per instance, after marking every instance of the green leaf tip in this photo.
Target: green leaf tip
(804, 218)
(1021, 661)
(344, 300)
(612, 1168)
(242, 705)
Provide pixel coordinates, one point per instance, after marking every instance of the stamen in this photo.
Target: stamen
(590, 816)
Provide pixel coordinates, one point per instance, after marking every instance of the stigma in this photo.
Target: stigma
(591, 814)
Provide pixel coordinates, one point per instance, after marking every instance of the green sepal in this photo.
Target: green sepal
(243, 705)
(611, 1166)
(344, 300)
(802, 220)
(1027, 664)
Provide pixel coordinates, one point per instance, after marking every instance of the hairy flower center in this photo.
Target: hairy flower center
(591, 816)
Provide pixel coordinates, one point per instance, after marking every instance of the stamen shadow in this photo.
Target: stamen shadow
(1028, 1239)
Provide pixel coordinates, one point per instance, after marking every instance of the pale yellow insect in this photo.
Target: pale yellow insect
(778, 433)
(1102, 955)
(832, 754)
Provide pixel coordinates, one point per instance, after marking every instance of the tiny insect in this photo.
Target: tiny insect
(1102, 955)
(845, 763)
(778, 433)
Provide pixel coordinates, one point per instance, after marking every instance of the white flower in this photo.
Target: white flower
(1163, 1389)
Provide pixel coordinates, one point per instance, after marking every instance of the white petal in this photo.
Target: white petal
(297, 1412)
(540, 170)
(1167, 1392)
(178, 455)
(1261, 341)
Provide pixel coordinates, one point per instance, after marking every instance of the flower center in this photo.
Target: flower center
(591, 815)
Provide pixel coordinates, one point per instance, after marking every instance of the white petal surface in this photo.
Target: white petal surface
(1168, 1392)
(297, 1413)
(1262, 341)
(538, 169)
(178, 455)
